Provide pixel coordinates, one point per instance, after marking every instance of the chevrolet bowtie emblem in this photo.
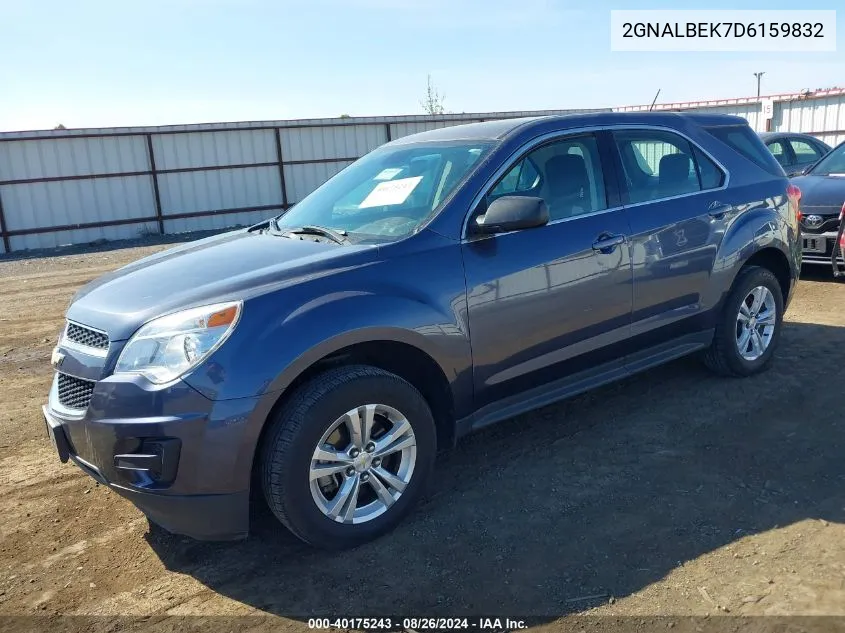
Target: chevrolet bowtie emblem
(57, 358)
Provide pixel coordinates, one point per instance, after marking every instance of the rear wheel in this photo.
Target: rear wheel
(348, 456)
(749, 327)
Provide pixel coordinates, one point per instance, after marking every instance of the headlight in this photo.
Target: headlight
(167, 347)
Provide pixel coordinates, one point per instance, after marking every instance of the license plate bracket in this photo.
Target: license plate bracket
(814, 244)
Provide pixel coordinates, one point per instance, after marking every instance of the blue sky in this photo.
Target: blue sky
(94, 63)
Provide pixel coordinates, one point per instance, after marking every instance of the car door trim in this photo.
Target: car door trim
(528, 146)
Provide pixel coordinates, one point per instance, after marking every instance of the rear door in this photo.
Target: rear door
(673, 194)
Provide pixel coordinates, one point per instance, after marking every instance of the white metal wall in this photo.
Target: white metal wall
(179, 178)
(821, 114)
(825, 118)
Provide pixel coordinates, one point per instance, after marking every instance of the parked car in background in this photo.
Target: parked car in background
(794, 151)
(822, 198)
(443, 282)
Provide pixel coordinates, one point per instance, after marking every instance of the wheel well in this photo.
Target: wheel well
(775, 261)
(402, 359)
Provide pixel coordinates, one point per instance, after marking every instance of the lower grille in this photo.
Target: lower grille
(74, 393)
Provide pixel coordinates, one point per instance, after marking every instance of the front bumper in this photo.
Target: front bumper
(816, 256)
(185, 461)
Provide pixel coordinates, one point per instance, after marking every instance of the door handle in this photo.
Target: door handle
(717, 210)
(607, 243)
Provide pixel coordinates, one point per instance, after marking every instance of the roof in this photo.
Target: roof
(499, 129)
(487, 130)
(768, 135)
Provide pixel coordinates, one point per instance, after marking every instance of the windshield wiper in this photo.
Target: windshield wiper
(339, 237)
(273, 224)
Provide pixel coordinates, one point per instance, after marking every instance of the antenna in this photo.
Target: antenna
(655, 100)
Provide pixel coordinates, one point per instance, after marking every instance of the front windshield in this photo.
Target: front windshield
(832, 164)
(389, 192)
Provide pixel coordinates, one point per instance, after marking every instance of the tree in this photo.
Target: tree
(433, 102)
(60, 127)
(345, 116)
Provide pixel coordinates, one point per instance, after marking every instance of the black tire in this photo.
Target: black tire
(296, 430)
(723, 356)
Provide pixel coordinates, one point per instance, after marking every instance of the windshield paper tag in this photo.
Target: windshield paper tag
(391, 192)
(388, 173)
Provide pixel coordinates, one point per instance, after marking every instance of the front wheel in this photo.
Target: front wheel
(348, 456)
(749, 327)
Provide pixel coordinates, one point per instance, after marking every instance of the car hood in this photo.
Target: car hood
(821, 191)
(229, 266)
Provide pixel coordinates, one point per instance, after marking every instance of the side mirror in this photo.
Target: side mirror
(512, 213)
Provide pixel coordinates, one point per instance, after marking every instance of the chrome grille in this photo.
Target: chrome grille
(74, 393)
(86, 337)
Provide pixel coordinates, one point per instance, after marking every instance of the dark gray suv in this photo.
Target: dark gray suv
(443, 282)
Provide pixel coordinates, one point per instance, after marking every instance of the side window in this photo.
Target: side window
(522, 177)
(804, 152)
(566, 174)
(778, 150)
(659, 164)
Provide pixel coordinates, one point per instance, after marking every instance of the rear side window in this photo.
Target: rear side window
(660, 164)
(743, 140)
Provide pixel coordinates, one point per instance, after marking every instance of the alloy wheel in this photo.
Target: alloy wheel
(755, 323)
(363, 463)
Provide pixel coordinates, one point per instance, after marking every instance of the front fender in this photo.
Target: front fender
(271, 347)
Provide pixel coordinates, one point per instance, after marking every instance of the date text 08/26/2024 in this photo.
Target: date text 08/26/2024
(419, 624)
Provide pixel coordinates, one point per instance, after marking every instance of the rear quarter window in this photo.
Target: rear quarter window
(744, 141)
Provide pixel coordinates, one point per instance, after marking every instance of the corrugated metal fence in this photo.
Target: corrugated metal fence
(820, 113)
(78, 186)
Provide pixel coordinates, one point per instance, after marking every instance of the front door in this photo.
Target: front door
(547, 302)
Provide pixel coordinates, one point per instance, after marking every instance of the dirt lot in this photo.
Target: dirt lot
(674, 492)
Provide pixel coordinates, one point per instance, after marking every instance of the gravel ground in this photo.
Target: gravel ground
(672, 493)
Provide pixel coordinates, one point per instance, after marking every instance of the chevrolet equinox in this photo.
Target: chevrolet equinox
(443, 282)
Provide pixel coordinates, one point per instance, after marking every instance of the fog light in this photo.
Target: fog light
(156, 458)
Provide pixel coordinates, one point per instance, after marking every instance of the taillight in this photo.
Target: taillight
(842, 211)
(794, 195)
